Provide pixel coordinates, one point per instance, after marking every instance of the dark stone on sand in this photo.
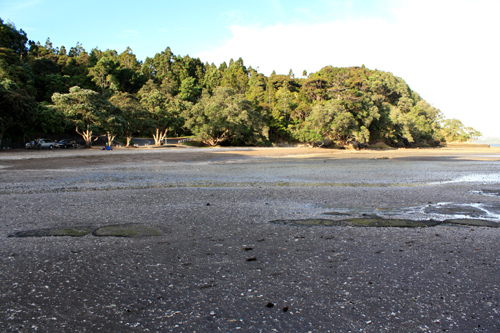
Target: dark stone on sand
(473, 223)
(396, 223)
(374, 221)
(127, 230)
(365, 221)
(54, 232)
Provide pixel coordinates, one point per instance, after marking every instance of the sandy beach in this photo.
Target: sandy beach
(208, 240)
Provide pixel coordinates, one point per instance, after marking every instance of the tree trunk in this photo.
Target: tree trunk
(87, 136)
(159, 136)
(215, 140)
(111, 137)
(129, 138)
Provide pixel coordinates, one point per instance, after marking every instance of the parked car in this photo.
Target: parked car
(66, 143)
(30, 145)
(44, 143)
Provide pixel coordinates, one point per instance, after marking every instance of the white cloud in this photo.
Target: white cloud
(445, 50)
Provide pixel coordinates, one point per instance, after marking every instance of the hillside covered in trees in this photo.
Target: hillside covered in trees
(47, 90)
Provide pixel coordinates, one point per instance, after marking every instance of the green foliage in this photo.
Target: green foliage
(50, 119)
(332, 121)
(89, 112)
(164, 110)
(230, 103)
(236, 76)
(189, 90)
(225, 115)
(212, 78)
(17, 107)
(454, 131)
(132, 112)
(104, 73)
(14, 68)
(12, 39)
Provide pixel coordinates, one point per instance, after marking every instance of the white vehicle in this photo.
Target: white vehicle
(41, 144)
(46, 143)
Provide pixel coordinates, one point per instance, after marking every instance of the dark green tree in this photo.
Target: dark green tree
(13, 39)
(88, 111)
(331, 120)
(164, 111)
(133, 113)
(223, 116)
(17, 107)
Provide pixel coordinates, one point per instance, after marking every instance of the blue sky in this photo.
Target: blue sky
(446, 50)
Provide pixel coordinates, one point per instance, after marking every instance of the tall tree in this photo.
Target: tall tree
(333, 121)
(13, 39)
(162, 111)
(104, 73)
(87, 109)
(236, 76)
(133, 113)
(212, 78)
(17, 107)
(225, 115)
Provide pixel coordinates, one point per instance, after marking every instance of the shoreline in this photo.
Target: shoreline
(463, 152)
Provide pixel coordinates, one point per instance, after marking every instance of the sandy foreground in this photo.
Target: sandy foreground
(216, 247)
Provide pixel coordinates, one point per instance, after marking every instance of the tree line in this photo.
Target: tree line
(49, 90)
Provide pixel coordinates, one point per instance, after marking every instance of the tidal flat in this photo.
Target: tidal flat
(189, 240)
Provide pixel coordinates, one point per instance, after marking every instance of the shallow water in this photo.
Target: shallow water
(473, 178)
(440, 212)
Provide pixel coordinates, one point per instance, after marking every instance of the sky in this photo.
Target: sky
(446, 50)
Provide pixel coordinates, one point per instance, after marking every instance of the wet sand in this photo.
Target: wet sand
(221, 265)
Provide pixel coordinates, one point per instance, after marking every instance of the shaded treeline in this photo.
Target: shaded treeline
(48, 90)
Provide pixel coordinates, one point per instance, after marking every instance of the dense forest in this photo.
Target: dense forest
(47, 90)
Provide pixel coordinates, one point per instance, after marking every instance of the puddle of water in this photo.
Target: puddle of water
(475, 178)
(447, 210)
(439, 212)
(489, 193)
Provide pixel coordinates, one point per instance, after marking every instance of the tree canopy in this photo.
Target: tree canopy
(43, 88)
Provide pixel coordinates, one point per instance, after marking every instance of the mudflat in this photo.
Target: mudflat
(228, 239)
